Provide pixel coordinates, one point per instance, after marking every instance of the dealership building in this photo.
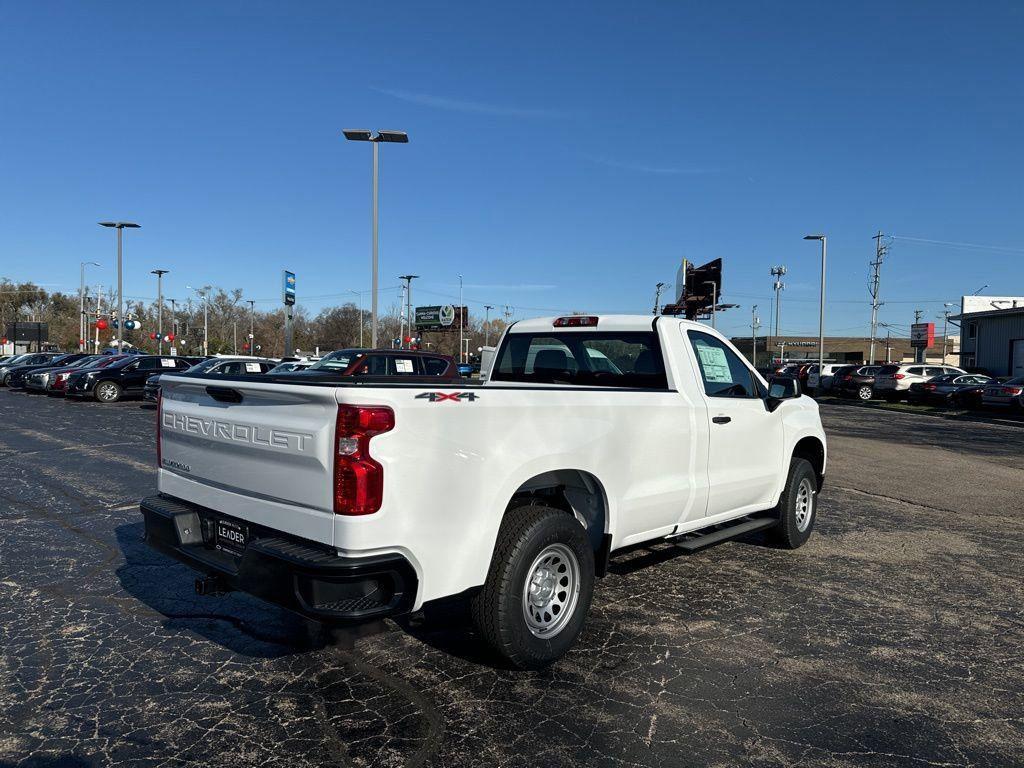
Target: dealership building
(992, 332)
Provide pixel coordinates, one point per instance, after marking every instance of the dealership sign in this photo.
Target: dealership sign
(440, 318)
(922, 335)
(289, 288)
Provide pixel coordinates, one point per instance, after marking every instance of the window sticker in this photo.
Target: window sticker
(252, 367)
(714, 363)
(403, 366)
(165, 363)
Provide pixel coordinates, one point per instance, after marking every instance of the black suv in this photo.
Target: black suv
(250, 366)
(125, 378)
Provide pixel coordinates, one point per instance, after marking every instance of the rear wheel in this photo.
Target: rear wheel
(864, 393)
(537, 594)
(798, 506)
(108, 392)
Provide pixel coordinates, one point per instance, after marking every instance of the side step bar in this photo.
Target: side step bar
(694, 541)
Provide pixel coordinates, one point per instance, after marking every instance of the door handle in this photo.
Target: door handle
(721, 419)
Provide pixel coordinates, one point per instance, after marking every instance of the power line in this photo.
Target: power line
(952, 244)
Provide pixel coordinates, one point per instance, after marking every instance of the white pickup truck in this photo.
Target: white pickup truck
(348, 500)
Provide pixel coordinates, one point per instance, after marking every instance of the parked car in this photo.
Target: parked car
(291, 365)
(857, 381)
(1006, 393)
(221, 366)
(57, 383)
(370, 499)
(15, 377)
(825, 380)
(38, 380)
(969, 397)
(941, 388)
(892, 382)
(123, 378)
(383, 362)
(34, 358)
(464, 369)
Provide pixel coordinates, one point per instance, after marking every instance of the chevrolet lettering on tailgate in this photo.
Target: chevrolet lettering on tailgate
(217, 429)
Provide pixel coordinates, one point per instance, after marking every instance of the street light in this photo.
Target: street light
(160, 306)
(461, 359)
(408, 305)
(204, 292)
(390, 137)
(821, 304)
(82, 325)
(119, 225)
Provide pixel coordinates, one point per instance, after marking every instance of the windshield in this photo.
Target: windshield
(204, 366)
(618, 359)
(14, 360)
(335, 361)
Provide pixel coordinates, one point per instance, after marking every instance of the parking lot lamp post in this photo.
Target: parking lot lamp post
(252, 326)
(160, 307)
(821, 302)
(174, 318)
(119, 226)
(204, 293)
(461, 319)
(392, 137)
(83, 325)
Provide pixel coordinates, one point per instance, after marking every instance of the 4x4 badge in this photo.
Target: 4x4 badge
(440, 397)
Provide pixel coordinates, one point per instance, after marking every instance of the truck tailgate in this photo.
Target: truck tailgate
(257, 451)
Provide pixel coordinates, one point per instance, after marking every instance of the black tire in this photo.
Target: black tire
(105, 387)
(498, 610)
(795, 529)
(865, 392)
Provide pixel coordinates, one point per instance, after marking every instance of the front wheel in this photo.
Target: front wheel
(532, 607)
(798, 506)
(108, 392)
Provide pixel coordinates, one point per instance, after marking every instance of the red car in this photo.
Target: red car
(58, 381)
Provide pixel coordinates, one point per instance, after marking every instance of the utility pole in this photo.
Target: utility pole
(461, 320)
(234, 337)
(487, 324)
(876, 268)
(657, 296)
(252, 326)
(83, 325)
(945, 329)
(174, 319)
(777, 284)
(755, 323)
(160, 307)
(408, 303)
(120, 227)
(508, 314)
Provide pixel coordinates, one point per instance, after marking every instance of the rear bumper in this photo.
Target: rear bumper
(301, 576)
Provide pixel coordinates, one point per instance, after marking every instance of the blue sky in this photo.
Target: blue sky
(563, 156)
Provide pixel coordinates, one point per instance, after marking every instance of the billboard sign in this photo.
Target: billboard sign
(289, 288)
(28, 332)
(441, 318)
(922, 335)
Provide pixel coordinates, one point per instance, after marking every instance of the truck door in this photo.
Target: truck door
(746, 439)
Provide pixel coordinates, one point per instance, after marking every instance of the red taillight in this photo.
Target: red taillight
(576, 321)
(928, 386)
(898, 376)
(1012, 391)
(358, 479)
(159, 418)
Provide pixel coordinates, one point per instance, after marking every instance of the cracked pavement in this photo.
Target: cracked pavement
(892, 638)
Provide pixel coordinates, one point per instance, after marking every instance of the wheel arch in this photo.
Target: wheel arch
(813, 450)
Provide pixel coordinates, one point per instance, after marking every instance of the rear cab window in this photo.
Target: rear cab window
(627, 359)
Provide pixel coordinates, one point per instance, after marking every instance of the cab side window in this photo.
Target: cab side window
(723, 372)
(401, 366)
(149, 364)
(435, 366)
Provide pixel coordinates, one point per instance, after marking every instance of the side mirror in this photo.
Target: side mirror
(781, 388)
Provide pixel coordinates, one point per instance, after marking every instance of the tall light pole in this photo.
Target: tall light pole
(391, 137)
(755, 323)
(359, 299)
(204, 292)
(714, 299)
(408, 303)
(119, 226)
(160, 307)
(945, 327)
(779, 286)
(821, 303)
(82, 324)
(174, 320)
(461, 321)
(487, 324)
(252, 326)
(657, 296)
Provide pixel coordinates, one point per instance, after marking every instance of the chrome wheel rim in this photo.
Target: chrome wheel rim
(865, 393)
(106, 392)
(804, 507)
(551, 591)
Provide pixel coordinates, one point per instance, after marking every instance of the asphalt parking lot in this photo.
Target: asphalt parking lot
(892, 638)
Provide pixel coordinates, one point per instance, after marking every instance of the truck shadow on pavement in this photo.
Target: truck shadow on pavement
(236, 621)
